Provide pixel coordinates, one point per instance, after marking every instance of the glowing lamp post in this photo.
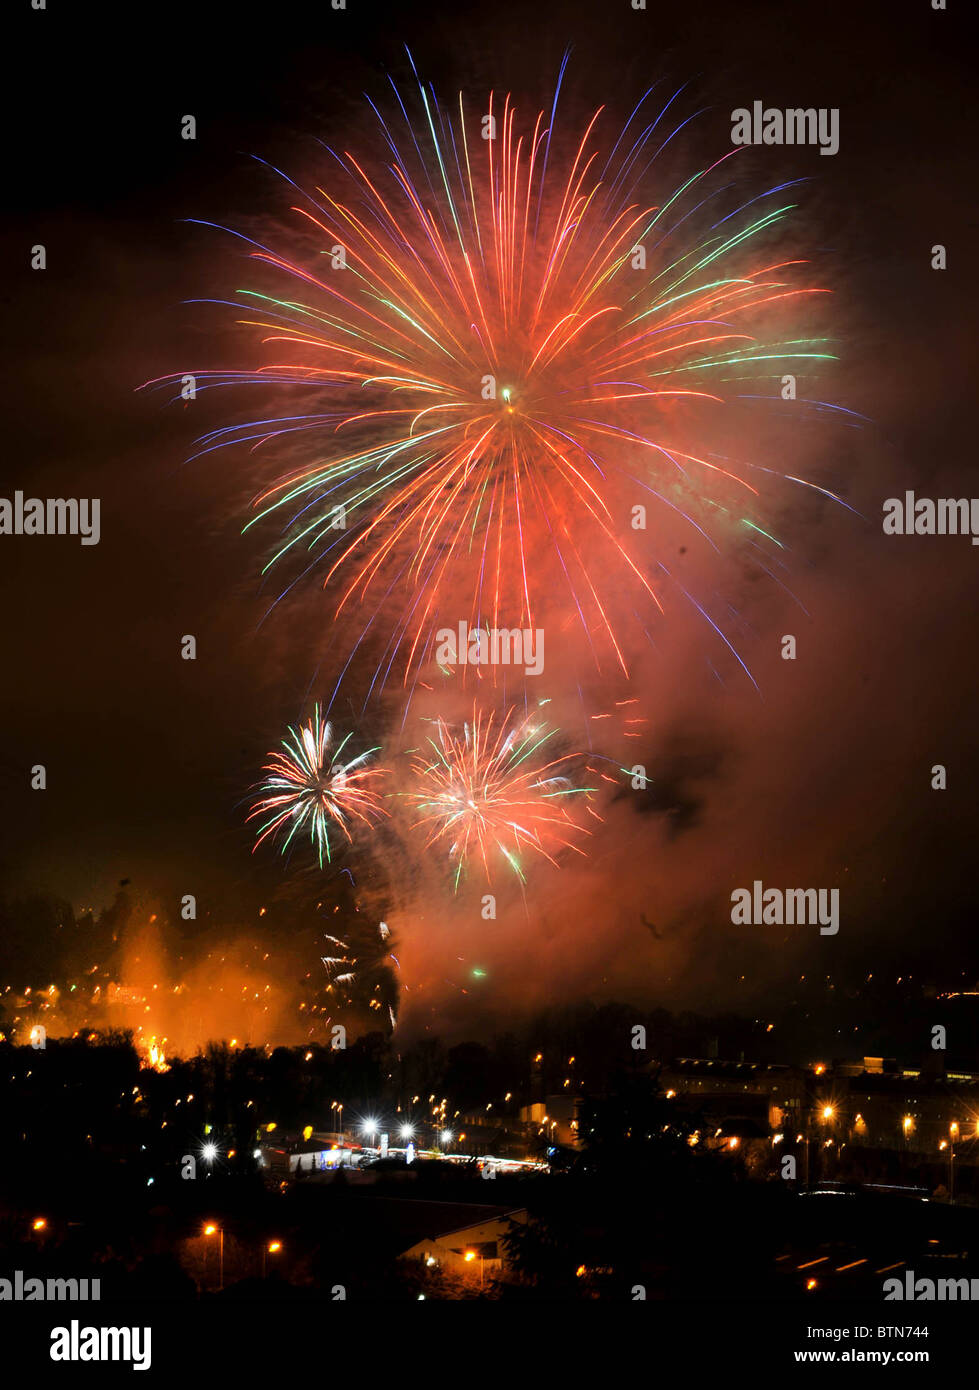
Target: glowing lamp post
(953, 1131)
(209, 1230)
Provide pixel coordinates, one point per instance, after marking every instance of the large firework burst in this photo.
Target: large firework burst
(311, 786)
(486, 794)
(489, 356)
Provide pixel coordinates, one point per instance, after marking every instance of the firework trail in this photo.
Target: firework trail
(311, 787)
(485, 792)
(491, 342)
(364, 967)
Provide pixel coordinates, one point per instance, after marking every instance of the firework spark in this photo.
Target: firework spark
(362, 969)
(485, 794)
(311, 787)
(489, 363)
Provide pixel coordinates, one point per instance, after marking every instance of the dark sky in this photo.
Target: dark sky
(823, 778)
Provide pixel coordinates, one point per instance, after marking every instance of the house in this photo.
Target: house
(476, 1249)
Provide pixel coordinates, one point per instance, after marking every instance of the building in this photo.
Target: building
(475, 1250)
(746, 1098)
(877, 1104)
(556, 1119)
(858, 1119)
(481, 1135)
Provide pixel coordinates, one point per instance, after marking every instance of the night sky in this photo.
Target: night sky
(819, 778)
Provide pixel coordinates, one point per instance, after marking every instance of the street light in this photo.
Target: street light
(271, 1248)
(209, 1230)
(953, 1130)
(469, 1256)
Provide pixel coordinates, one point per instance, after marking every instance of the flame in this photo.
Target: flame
(152, 1054)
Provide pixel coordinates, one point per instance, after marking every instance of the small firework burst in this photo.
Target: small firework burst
(315, 786)
(485, 792)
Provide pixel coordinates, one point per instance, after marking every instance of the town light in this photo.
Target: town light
(40, 1224)
(209, 1152)
(828, 1112)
